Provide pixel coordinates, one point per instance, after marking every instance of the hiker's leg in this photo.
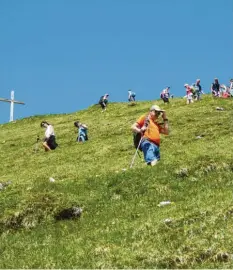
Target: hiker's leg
(156, 154)
(81, 138)
(150, 151)
(103, 106)
(152, 154)
(46, 147)
(145, 146)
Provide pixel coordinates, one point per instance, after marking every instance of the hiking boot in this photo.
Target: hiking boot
(153, 163)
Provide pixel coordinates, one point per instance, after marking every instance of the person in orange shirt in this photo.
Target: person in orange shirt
(150, 129)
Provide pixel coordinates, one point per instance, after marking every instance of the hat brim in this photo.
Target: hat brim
(158, 110)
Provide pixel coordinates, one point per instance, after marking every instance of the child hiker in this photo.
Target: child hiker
(131, 96)
(82, 131)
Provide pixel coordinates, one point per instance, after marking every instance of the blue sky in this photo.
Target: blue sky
(60, 56)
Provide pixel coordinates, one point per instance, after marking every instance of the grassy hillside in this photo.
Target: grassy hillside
(121, 225)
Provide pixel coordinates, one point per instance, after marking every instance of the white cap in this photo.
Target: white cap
(186, 85)
(156, 108)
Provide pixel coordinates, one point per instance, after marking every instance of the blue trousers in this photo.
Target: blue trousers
(150, 150)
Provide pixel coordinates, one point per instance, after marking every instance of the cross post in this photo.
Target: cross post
(12, 101)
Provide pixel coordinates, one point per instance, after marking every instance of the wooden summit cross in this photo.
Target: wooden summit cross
(12, 101)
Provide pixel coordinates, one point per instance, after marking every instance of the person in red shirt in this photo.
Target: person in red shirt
(151, 129)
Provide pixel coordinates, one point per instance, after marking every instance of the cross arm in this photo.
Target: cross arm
(9, 100)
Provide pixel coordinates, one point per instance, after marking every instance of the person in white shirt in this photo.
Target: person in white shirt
(49, 142)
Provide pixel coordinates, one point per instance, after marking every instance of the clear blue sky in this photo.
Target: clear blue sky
(60, 56)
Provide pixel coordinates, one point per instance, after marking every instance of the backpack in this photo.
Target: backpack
(137, 136)
(133, 94)
(136, 139)
(101, 99)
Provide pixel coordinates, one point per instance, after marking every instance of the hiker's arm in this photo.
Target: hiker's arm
(85, 126)
(165, 128)
(136, 128)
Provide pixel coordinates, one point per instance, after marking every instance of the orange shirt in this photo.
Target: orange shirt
(152, 132)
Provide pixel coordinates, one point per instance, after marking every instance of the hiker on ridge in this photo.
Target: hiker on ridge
(198, 89)
(150, 129)
(189, 94)
(131, 96)
(165, 95)
(82, 131)
(49, 142)
(103, 102)
(215, 88)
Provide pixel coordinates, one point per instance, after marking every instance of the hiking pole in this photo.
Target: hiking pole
(36, 144)
(131, 165)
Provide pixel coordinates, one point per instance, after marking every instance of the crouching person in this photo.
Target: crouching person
(82, 131)
(49, 142)
(150, 131)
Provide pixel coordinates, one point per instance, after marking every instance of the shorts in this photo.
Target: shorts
(165, 100)
(151, 151)
(51, 141)
(82, 138)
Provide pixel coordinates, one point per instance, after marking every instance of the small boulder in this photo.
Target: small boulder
(69, 213)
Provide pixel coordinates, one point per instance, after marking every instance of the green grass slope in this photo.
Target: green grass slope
(121, 225)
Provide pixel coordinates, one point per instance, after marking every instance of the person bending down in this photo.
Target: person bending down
(49, 142)
(82, 131)
(103, 102)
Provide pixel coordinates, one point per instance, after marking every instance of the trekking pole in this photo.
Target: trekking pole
(131, 165)
(146, 124)
(36, 144)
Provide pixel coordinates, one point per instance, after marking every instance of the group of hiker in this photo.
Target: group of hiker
(49, 141)
(147, 128)
(221, 90)
(103, 101)
(194, 91)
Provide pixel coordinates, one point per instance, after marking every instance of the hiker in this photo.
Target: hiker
(131, 96)
(215, 88)
(150, 129)
(49, 142)
(189, 94)
(198, 89)
(165, 95)
(231, 87)
(103, 102)
(82, 131)
(225, 91)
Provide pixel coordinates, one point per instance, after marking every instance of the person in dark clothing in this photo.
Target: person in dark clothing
(198, 89)
(215, 88)
(103, 102)
(165, 95)
(131, 96)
